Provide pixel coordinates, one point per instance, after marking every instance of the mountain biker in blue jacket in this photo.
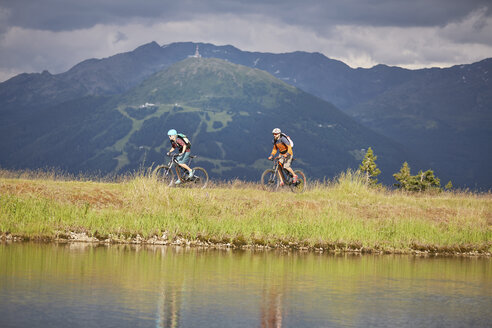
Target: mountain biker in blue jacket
(184, 151)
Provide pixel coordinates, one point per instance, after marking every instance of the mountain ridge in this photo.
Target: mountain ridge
(360, 92)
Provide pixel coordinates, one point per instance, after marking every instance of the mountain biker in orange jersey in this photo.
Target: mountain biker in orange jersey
(184, 152)
(282, 145)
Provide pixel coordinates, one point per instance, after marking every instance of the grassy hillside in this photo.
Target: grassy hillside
(227, 110)
(344, 215)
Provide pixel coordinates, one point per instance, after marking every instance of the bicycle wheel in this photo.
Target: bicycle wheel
(199, 179)
(301, 183)
(269, 180)
(164, 175)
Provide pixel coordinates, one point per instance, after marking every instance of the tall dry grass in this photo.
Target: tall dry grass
(344, 213)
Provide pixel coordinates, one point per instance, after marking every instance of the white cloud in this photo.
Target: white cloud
(415, 47)
(475, 28)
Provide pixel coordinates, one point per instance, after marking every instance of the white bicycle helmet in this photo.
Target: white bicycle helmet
(276, 130)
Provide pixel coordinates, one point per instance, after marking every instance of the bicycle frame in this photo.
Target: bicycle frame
(180, 171)
(271, 178)
(279, 170)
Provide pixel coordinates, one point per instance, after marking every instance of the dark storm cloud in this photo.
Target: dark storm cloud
(411, 13)
(60, 15)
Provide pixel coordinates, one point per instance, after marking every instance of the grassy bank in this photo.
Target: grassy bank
(344, 215)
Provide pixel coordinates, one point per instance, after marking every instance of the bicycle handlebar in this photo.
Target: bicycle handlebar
(278, 157)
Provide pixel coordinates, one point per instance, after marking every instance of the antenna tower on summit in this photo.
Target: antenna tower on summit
(197, 54)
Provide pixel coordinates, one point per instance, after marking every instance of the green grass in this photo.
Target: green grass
(344, 215)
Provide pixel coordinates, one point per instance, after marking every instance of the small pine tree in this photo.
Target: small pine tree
(368, 167)
(426, 180)
(420, 182)
(448, 185)
(404, 178)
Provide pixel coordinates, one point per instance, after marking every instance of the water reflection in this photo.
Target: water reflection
(271, 307)
(168, 312)
(82, 285)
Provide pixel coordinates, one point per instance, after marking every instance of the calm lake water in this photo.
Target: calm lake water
(82, 285)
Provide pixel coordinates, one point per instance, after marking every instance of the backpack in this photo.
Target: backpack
(287, 137)
(185, 139)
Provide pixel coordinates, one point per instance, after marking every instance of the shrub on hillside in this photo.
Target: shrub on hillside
(421, 182)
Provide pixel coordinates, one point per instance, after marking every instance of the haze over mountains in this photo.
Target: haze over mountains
(89, 118)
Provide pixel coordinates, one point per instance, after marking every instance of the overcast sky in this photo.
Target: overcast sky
(54, 35)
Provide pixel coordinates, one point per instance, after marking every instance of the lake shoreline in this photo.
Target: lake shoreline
(334, 248)
(344, 216)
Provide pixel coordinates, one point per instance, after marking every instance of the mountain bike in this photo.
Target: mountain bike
(168, 174)
(271, 181)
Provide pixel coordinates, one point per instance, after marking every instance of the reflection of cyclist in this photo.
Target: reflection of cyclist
(184, 151)
(282, 145)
